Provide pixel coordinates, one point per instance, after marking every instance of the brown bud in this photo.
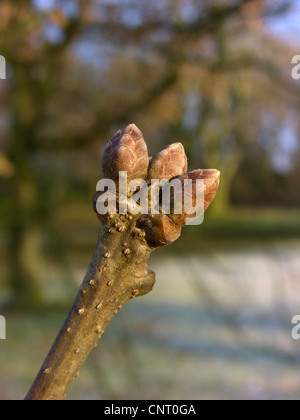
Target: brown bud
(168, 163)
(163, 231)
(211, 179)
(126, 151)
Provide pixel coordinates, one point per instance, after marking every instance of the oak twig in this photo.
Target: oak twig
(118, 271)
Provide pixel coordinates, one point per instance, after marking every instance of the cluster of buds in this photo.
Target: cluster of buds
(119, 271)
(127, 152)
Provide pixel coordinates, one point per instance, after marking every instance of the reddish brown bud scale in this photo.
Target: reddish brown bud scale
(163, 231)
(211, 179)
(168, 163)
(126, 151)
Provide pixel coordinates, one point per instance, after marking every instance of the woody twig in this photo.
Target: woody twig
(118, 271)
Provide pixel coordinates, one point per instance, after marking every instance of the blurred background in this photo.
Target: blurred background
(215, 75)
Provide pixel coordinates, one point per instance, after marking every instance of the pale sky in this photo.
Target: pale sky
(288, 27)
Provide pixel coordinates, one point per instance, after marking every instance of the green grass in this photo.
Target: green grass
(255, 224)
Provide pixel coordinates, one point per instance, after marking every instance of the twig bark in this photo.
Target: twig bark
(118, 272)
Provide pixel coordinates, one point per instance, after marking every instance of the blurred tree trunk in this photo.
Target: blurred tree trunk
(23, 256)
(223, 201)
(24, 251)
(219, 124)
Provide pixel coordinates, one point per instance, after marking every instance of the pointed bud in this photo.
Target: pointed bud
(168, 163)
(211, 179)
(126, 151)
